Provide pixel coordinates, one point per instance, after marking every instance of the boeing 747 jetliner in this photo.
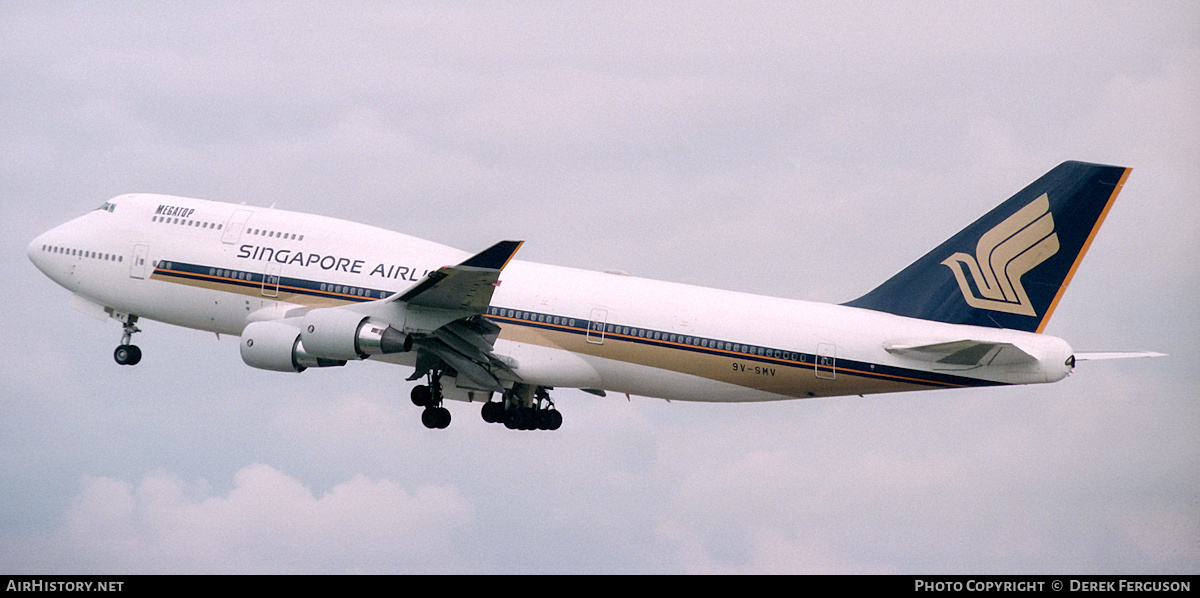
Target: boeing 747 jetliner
(304, 291)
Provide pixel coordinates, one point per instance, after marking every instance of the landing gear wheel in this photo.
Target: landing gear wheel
(127, 355)
(512, 418)
(435, 417)
(549, 419)
(492, 412)
(521, 418)
(421, 395)
(524, 408)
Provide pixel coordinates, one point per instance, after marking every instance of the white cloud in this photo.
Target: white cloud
(268, 522)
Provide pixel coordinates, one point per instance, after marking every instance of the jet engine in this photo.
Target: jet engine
(277, 346)
(342, 334)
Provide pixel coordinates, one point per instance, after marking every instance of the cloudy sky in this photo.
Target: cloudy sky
(804, 150)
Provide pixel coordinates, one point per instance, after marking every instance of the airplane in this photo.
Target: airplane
(305, 291)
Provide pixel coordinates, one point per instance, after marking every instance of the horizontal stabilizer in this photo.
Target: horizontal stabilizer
(964, 352)
(1099, 355)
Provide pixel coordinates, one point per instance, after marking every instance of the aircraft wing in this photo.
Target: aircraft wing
(444, 311)
(963, 352)
(467, 286)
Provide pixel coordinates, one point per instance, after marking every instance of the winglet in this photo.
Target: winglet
(495, 257)
(467, 286)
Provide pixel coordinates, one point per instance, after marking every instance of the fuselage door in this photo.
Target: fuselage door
(137, 268)
(233, 228)
(826, 363)
(270, 287)
(595, 333)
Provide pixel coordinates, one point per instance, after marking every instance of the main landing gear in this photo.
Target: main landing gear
(434, 416)
(523, 407)
(125, 353)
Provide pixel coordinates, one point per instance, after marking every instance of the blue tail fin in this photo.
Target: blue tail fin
(1009, 268)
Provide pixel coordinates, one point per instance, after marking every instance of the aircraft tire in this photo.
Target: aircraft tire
(492, 412)
(127, 355)
(421, 395)
(435, 418)
(512, 419)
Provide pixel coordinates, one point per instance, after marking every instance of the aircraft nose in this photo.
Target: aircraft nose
(36, 252)
(40, 251)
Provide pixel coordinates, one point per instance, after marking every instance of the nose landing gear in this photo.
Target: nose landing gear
(125, 353)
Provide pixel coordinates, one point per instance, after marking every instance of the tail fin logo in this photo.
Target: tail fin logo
(1003, 255)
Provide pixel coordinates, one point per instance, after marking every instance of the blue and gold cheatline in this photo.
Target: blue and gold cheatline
(756, 363)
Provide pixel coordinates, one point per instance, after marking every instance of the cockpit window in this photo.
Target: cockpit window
(107, 206)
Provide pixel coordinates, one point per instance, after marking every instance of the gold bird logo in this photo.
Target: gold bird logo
(1003, 255)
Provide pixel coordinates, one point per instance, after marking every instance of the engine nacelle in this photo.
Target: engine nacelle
(276, 346)
(342, 334)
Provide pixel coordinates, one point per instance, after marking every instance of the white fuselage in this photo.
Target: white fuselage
(217, 267)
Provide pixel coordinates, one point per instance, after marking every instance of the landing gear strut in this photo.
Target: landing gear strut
(127, 354)
(429, 397)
